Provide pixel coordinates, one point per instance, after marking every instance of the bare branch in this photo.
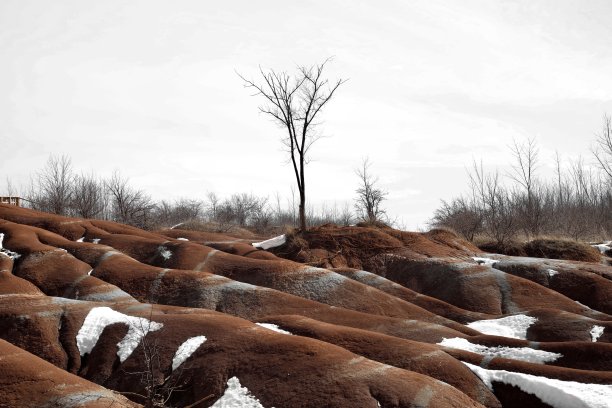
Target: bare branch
(293, 103)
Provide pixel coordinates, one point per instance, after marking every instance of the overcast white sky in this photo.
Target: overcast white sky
(149, 87)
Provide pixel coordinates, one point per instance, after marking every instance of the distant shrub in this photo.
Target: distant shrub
(373, 224)
(212, 226)
(511, 248)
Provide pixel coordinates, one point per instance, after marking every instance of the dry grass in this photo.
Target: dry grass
(212, 226)
(544, 247)
(511, 248)
(562, 249)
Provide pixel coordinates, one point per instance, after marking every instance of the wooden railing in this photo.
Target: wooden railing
(11, 201)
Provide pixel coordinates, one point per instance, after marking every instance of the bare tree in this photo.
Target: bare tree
(88, 199)
(246, 207)
(523, 172)
(369, 195)
(10, 189)
(603, 149)
(294, 103)
(51, 189)
(462, 215)
(178, 212)
(495, 203)
(129, 206)
(212, 206)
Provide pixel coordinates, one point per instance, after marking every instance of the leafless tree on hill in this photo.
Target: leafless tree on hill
(603, 149)
(169, 213)
(130, 206)
(51, 189)
(369, 195)
(294, 103)
(462, 215)
(10, 189)
(246, 207)
(495, 203)
(212, 205)
(577, 204)
(88, 196)
(523, 173)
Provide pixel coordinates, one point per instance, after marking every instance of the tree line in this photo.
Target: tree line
(294, 102)
(57, 188)
(576, 203)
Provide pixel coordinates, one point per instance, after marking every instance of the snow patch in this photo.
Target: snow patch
(485, 261)
(551, 272)
(100, 317)
(165, 252)
(177, 225)
(82, 239)
(515, 353)
(557, 393)
(596, 332)
(182, 239)
(273, 327)
(186, 349)
(606, 246)
(511, 326)
(95, 240)
(271, 243)
(237, 396)
(13, 255)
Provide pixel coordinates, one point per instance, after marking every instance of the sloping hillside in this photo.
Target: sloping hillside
(339, 317)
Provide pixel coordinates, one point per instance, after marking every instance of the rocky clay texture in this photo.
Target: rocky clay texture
(347, 317)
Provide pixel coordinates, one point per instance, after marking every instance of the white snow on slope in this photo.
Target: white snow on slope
(271, 243)
(596, 332)
(82, 239)
(485, 261)
(236, 396)
(165, 252)
(515, 353)
(100, 317)
(273, 327)
(551, 272)
(186, 349)
(603, 247)
(7, 252)
(557, 393)
(511, 326)
(182, 239)
(95, 240)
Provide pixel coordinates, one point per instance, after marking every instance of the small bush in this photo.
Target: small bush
(373, 224)
(562, 249)
(511, 248)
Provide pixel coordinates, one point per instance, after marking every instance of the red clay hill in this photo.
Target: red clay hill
(95, 313)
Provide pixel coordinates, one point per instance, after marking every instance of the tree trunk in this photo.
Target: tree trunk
(302, 217)
(302, 192)
(302, 208)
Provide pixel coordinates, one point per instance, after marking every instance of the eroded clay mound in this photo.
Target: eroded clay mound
(358, 247)
(110, 346)
(29, 381)
(589, 284)
(406, 319)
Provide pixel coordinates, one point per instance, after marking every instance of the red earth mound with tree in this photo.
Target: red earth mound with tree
(95, 313)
